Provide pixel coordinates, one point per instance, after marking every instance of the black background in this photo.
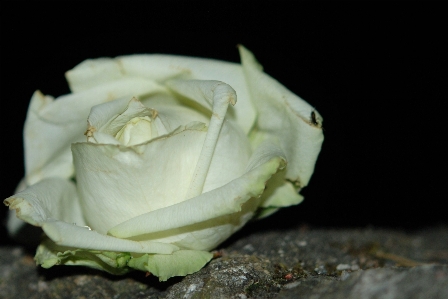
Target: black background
(377, 72)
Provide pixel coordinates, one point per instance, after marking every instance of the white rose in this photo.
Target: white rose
(169, 170)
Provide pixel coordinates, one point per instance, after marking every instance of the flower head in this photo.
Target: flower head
(179, 153)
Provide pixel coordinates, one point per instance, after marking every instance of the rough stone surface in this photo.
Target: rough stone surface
(429, 281)
(298, 262)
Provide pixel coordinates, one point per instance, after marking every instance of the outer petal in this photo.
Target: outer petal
(205, 235)
(117, 183)
(151, 175)
(229, 161)
(63, 122)
(279, 192)
(65, 234)
(52, 198)
(53, 205)
(218, 202)
(41, 160)
(285, 119)
(162, 68)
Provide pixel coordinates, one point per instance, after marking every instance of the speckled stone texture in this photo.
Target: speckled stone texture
(298, 262)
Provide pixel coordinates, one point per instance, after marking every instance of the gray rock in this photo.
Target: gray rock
(294, 263)
(429, 281)
(233, 276)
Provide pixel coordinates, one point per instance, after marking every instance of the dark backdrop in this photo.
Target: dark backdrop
(376, 72)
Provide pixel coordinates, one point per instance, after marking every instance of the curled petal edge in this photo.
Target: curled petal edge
(283, 116)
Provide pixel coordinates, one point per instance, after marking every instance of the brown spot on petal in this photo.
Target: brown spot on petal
(90, 131)
(314, 119)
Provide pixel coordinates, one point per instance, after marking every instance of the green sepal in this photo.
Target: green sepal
(49, 254)
(179, 263)
(164, 266)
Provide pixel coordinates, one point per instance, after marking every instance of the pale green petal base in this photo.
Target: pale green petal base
(265, 212)
(164, 266)
(279, 193)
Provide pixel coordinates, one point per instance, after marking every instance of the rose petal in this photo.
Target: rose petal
(63, 121)
(51, 198)
(199, 91)
(151, 176)
(279, 192)
(205, 235)
(53, 205)
(218, 202)
(285, 119)
(161, 68)
(66, 234)
(107, 119)
(216, 96)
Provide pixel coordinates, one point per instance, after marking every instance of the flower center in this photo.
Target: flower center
(136, 131)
